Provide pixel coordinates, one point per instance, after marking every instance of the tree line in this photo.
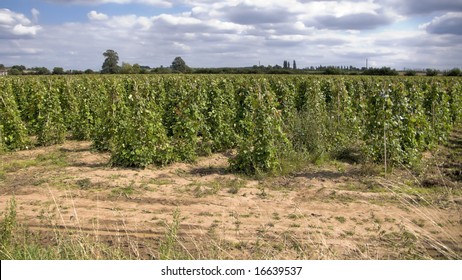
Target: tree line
(178, 65)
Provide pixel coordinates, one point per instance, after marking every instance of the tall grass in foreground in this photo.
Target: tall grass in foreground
(18, 243)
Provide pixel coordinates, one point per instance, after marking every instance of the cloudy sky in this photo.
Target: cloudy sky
(74, 33)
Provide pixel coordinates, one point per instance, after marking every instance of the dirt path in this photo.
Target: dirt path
(335, 211)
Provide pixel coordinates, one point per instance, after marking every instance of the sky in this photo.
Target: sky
(73, 34)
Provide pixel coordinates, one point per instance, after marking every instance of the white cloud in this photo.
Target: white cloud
(16, 25)
(21, 30)
(8, 17)
(238, 33)
(177, 19)
(93, 15)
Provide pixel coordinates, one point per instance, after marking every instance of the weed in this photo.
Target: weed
(390, 220)
(116, 176)
(126, 191)
(160, 181)
(170, 246)
(233, 189)
(375, 219)
(203, 190)
(370, 169)
(17, 165)
(276, 216)
(84, 183)
(341, 219)
(262, 194)
(349, 232)
(419, 222)
(7, 227)
(293, 162)
(40, 181)
(58, 159)
(206, 214)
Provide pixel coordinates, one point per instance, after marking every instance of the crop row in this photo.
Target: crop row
(145, 120)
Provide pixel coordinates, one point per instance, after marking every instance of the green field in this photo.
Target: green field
(146, 120)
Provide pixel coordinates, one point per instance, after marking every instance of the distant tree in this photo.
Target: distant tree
(384, 71)
(14, 72)
(285, 64)
(17, 70)
(41, 70)
(136, 68)
(331, 70)
(161, 70)
(431, 72)
(410, 73)
(110, 63)
(126, 68)
(453, 72)
(19, 67)
(178, 65)
(144, 69)
(89, 71)
(288, 65)
(2, 66)
(294, 65)
(58, 71)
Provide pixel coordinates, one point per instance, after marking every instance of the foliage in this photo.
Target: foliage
(384, 71)
(453, 72)
(179, 65)
(58, 71)
(331, 70)
(140, 137)
(262, 141)
(7, 226)
(183, 118)
(110, 62)
(51, 128)
(431, 72)
(159, 119)
(410, 73)
(13, 132)
(218, 113)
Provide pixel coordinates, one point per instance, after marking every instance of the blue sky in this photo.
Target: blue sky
(74, 33)
(59, 12)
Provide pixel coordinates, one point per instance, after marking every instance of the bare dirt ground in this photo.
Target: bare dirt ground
(336, 210)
